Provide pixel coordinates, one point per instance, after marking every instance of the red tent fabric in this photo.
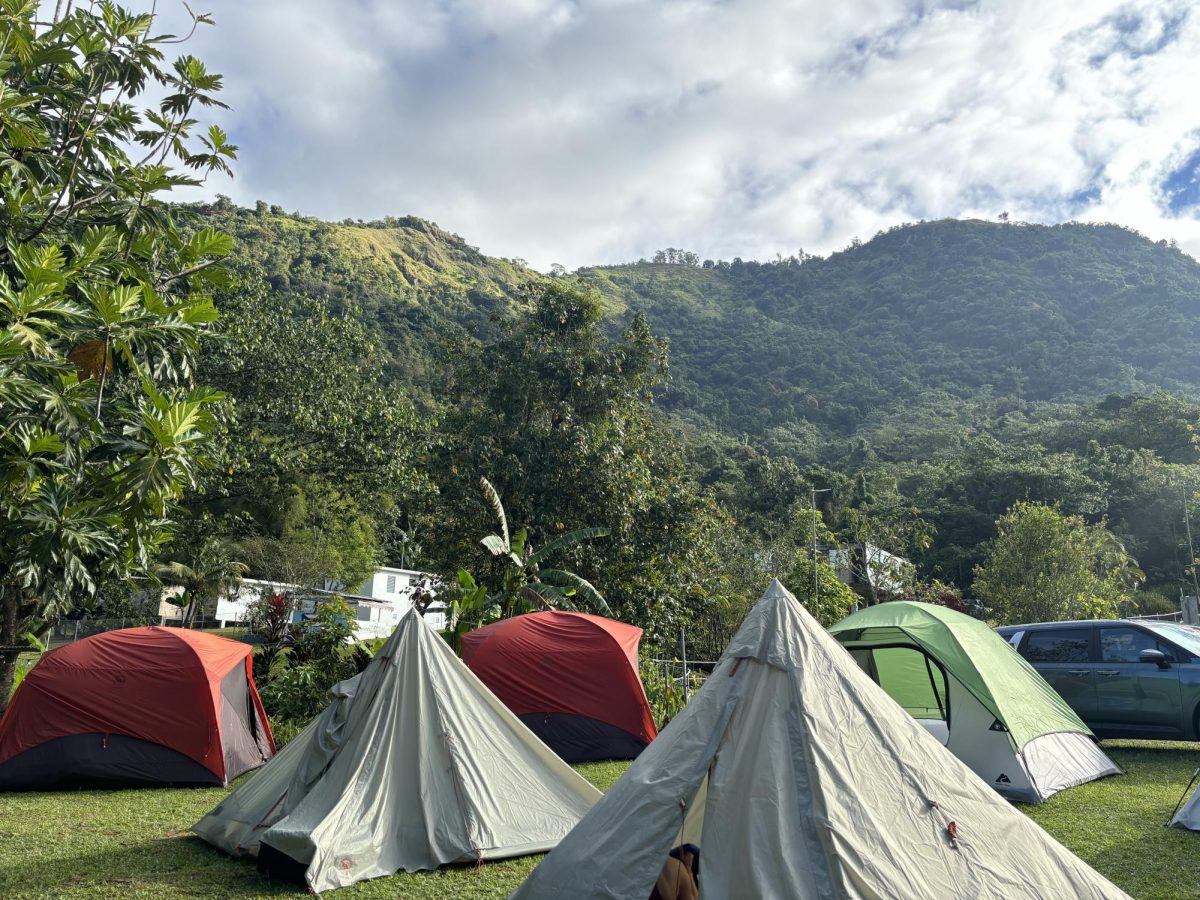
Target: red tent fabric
(138, 706)
(571, 677)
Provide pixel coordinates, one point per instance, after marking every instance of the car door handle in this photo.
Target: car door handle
(1107, 672)
(1077, 671)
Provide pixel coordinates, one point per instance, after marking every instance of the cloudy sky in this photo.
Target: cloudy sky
(588, 131)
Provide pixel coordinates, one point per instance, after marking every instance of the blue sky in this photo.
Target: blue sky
(588, 131)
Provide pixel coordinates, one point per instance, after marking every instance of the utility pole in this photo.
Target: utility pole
(683, 654)
(1187, 521)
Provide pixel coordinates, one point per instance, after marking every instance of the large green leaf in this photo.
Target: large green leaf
(570, 539)
(580, 587)
(493, 498)
(495, 545)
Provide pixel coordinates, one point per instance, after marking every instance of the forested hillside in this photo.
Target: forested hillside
(414, 284)
(927, 315)
(928, 378)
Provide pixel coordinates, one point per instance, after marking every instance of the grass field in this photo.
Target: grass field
(136, 843)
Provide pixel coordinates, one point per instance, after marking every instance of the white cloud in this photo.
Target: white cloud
(583, 131)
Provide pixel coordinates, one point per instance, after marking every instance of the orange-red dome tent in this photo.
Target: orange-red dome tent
(571, 677)
(139, 707)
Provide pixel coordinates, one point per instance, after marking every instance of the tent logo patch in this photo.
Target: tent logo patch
(997, 726)
(1003, 779)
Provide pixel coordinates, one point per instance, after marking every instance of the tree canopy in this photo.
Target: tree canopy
(1044, 566)
(104, 298)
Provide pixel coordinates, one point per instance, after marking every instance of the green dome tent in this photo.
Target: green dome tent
(972, 691)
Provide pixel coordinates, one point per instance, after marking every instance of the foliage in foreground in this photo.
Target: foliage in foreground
(295, 681)
(103, 301)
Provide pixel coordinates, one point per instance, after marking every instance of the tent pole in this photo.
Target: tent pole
(1180, 803)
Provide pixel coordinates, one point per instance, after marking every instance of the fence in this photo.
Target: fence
(67, 631)
(1161, 617)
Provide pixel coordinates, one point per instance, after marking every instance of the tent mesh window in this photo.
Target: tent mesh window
(909, 676)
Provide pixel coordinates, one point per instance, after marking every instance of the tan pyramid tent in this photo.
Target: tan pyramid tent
(1187, 815)
(798, 777)
(414, 764)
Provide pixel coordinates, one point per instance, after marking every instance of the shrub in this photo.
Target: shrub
(324, 653)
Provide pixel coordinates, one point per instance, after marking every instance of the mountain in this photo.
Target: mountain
(927, 316)
(416, 285)
(969, 363)
(935, 322)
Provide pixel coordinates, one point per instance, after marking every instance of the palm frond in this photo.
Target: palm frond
(580, 587)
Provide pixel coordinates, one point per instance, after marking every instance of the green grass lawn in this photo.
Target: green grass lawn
(1116, 824)
(136, 843)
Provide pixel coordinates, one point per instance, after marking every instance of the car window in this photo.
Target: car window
(1057, 645)
(1184, 636)
(1124, 644)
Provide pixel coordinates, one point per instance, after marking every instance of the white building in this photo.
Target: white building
(384, 598)
(888, 573)
(232, 608)
(378, 604)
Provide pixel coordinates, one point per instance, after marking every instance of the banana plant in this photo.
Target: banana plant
(523, 583)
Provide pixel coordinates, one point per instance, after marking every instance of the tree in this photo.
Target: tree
(516, 583)
(322, 653)
(209, 572)
(558, 416)
(103, 300)
(832, 600)
(878, 519)
(522, 582)
(1044, 565)
(316, 455)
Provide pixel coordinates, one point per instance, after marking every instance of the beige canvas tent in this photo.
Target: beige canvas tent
(414, 764)
(1187, 815)
(798, 777)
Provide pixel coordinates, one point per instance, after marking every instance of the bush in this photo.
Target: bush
(284, 731)
(1155, 602)
(299, 677)
(664, 689)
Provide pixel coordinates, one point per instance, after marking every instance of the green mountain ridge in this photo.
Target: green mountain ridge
(930, 314)
(954, 366)
(936, 320)
(414, 284)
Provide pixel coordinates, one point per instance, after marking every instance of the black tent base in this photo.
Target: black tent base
(580, 739)
(101, 762)
(277, 865)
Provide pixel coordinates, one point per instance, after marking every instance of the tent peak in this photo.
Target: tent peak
(769, 634)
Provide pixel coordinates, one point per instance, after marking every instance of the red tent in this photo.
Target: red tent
(136, 707)
(572, 678)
